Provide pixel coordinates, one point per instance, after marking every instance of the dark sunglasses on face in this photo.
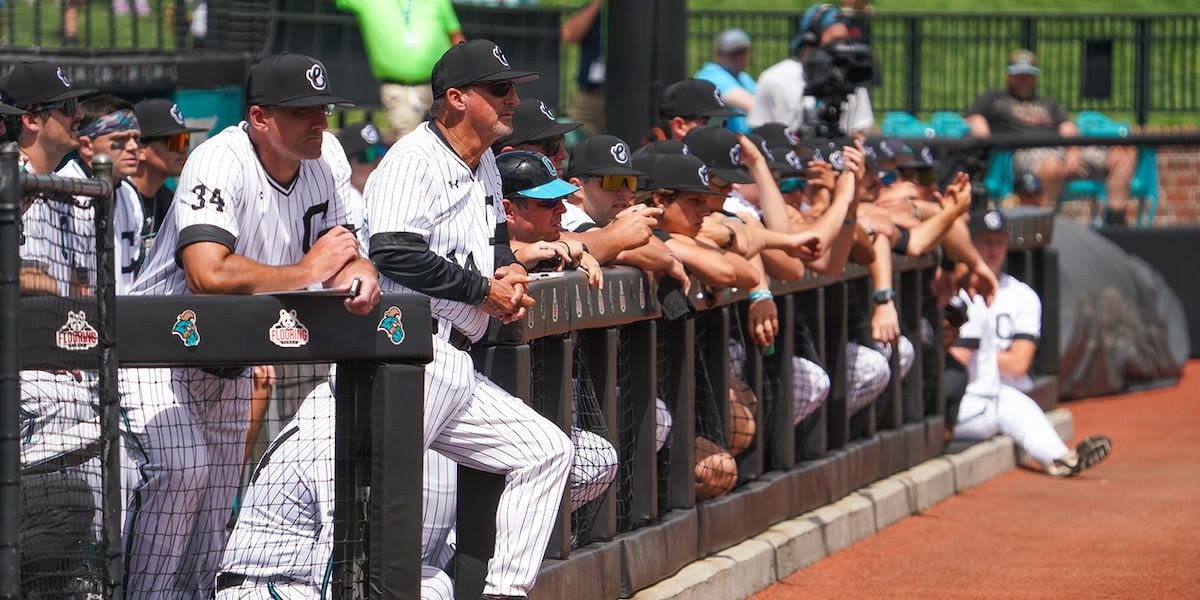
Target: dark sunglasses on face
(70, 106)
(792, 184)
(499, 89)
(552, 146)
(925, 176)
(178, 142)
(888, 177)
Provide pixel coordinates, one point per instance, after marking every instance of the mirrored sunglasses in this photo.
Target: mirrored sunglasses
(179, 142)
(614, 183)
(371, 154)
(792, 184)
(70, 106)
(888, 177)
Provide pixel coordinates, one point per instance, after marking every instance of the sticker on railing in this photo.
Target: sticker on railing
(642, 293)
(600, 300)
(554, 306)
(578, 302)
(621, 296)
(391, 325)
(76, 333)
(288, 331)
(185, 328)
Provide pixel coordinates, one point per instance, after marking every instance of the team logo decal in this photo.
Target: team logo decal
(886, 147)
(835, 159)
(818, 155)
(621, 297)
(499, 56)
(288, 331)
(546, 111)
(794, 160)
(549, 166)
(869, 152)
(531, 320)
(391, 325)
(991, 220)
(766, 151)
(703, 171)
(600, 302)
(642, 294)
(316, 77)
(735, 154)
(185, 328)
(578, 303)
(370, 134)
(176, 114)
(685, 150)
(62, 76)
(554, 307)
(76, 333)
(790, 136)
(927, 155)
(717, 95)
(620, 153)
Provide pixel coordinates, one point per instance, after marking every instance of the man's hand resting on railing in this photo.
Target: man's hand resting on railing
(507, 298)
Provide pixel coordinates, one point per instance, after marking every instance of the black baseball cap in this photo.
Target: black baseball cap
(533, 121)
(289, 79)
(986, 221)
(600, 155)
(527, 174)
(773, 162)
(10, 110)
(681, 173)
(160, 118)
(720, 149)
(357, 137)
(791, 154)
(37, 82)
(694, 98)
(474, 61)
(919, 156)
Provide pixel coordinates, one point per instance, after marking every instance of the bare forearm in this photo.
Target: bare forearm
(237, 274)
(578, 24)
(881, 267)
(925, 236)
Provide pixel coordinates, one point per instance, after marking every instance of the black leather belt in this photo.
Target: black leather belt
(229, 580)
(457, 339)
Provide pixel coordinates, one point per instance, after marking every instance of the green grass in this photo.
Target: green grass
(950, 6)
(38, 23)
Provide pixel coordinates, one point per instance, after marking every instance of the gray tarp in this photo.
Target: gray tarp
(1121, 325)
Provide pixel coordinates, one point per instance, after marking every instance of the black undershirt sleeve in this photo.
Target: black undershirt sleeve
(407, 260)
(503, 250)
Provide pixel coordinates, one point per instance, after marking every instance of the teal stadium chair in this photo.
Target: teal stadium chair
(949, 125)
(904, 125)
(1143, 188)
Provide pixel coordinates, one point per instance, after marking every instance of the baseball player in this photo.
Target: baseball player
(989, 407)
(282, 545)
(109, 127)
(1017, 307)
(259, 207)
(166, 141)
(434, 226)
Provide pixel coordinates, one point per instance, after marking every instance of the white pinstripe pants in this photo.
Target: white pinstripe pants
(474, 422)
(1013, 414)
(867, 375)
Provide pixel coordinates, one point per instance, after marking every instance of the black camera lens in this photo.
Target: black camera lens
(956, 312)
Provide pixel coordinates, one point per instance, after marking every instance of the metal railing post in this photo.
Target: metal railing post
(10, 390)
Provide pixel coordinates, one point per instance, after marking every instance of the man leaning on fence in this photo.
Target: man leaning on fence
(435, 226)
(259, 207)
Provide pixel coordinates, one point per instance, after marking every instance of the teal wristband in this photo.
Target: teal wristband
(757, 295)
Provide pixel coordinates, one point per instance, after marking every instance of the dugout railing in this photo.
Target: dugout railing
(648, 524)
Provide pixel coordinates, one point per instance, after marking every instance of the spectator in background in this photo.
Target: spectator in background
(686, 105)
(166, 141)
(403, 39)
(587, 103)
(364, 149)
(783, 96)
(857, 14)
(1018, 109)
(727, 71)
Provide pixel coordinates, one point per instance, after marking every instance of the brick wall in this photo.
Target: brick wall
(1179, 180)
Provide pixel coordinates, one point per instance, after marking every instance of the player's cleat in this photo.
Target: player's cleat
(1087, 454)
(1091, 451)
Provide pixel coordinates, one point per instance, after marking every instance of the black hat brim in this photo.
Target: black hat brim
(720, 112)
(514, 76)
(551, 131)
(602, 171)
(67, 95)
(734, 175)
(320, 100)
(11, 110)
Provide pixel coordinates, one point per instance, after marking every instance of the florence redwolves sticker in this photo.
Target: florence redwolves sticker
(76, 334)
(288, 331)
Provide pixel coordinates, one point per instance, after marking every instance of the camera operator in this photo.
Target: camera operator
(786, 90)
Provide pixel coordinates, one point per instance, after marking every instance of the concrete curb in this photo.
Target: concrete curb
(752, 565)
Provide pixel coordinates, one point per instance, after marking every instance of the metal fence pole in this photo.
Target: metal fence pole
(1141, 73)
(10, 392)
(914, 65)
(110, 401)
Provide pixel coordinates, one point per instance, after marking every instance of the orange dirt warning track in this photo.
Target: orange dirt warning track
(1128, 528)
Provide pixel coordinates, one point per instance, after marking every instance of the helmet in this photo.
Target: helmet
(531, 175)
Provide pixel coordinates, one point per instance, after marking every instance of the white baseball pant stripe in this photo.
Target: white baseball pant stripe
(186, 433)
(810, 388)
(662, 424)
(906, 354)
(867, 374)
(492, 431)
(1014, 414)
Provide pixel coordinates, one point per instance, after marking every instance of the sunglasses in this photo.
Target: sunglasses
(888, 177)
(371, 154)
(792, 184)
(549, 204)
(499, 89)
(70, 106)
(614, 183)
(552, 146)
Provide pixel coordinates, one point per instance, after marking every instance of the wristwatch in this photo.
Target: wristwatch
(883, 296)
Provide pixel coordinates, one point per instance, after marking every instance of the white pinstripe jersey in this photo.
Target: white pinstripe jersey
(285, 526)
(226, 196)
(129, 229)
(423, 187)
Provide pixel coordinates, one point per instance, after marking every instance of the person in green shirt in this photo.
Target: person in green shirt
(403, 39)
